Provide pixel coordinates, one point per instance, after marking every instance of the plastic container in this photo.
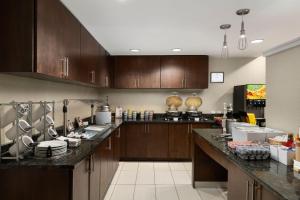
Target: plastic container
(286, 156)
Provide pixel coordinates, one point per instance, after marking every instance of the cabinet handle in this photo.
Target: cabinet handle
(109, 143)
(253, 191)
(67, 67)
(185, 83)
(247, 191)
(258, 191)
(63, 67)
(119, 133)
(182, 83)
(88, 165)
(93, 166)
(93, 76)
(106, 81)
(138, 82)
(145, 128)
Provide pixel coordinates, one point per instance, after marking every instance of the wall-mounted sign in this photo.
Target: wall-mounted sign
(217, 77)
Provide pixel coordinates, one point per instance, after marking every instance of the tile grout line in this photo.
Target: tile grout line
(114, 186)
(174, 182)
(155, 193)
(136, 176)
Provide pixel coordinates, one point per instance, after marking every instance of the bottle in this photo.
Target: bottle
(224, 118)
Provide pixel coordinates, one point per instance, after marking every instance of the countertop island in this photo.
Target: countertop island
(259, 180)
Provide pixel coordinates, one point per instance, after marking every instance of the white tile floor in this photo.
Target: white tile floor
(158, 181)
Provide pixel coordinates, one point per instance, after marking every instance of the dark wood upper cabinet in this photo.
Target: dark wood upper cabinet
(149, 72)
(71, 44)
(172, 71)
(137, 71)
(196, 72)
(189, 72)
(125, 72)
(17, 36)
(103, 71)
(50, 51)
(89, 57)
(43, 38)
(57, 41)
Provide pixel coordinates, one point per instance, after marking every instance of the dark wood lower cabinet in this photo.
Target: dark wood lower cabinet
(81, 180)
(146, 141)
(212, 165)
(158, 141)
(179, 141)
(88, 180)
(157, 136)
(95, 176)
(135, 147)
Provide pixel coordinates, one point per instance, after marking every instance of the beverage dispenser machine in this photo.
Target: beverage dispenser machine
(250, 98)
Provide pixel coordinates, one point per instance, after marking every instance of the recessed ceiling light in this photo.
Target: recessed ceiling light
(257, 41)
(135, 50)
(176, 50)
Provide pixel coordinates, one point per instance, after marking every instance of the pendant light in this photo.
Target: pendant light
(242, 43)
(224, 52)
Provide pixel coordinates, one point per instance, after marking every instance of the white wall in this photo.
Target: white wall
(283, 91)
(14, 88)
(238, 71)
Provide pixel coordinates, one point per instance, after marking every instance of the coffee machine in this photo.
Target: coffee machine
(251, 98)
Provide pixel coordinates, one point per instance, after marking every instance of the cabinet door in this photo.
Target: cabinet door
(71, 44)
(49, 38)
(110, 159)
(125, 72)
(196, 72)
(149, 72)
(240, 185)
(95, 162)
(135, 141)
(172, 71)
(179, 141)
(89, 57)
(261, 193)
(103, 70)
(81, 180)
(104, 168)
(157, 141)
(117, 147)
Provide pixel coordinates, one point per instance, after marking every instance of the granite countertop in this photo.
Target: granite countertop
(73, 157)
(162, 120)
(86, 148)
(274, 176)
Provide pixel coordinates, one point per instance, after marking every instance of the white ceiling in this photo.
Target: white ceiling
(157, 26)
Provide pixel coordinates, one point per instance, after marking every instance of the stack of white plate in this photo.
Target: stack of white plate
(56, 147)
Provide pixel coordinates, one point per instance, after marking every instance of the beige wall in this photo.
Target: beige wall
(283, 91)
(238, 71)
(28, 89)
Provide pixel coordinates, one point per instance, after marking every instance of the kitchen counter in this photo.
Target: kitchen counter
(169, 121)
(274, 176)
(86, 148)
(69, 160)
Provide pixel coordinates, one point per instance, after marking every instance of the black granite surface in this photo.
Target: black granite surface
(168, 121)
(274, 176)
(76, 155)
(73, 157)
